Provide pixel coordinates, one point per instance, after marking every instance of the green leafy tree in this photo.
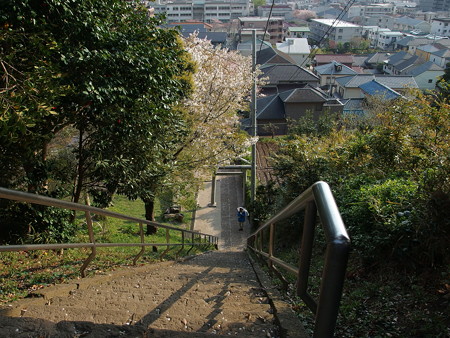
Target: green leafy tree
(103, 67)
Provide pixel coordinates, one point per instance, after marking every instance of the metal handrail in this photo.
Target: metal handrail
(21, 196)
(317, 199)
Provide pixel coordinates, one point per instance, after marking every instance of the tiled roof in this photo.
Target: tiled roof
(398, 57)
(405, 20)
(377, 58)
(331, 68)
(429, 48)
(271, 56)
(412, 41)
(299, 95)
(287, 74)
(427, 66)
(270, 108)
(374, 88)
(394, 82)
(443, 53)
(405, 64)
(327, 58)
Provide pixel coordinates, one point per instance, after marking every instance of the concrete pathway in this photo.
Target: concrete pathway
(221, 220)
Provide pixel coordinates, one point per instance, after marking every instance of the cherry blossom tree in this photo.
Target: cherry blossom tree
(304, 14)
(222, 84)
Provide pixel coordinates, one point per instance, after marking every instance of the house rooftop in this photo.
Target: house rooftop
(375, 88)
(287, 73)
(294, 46)
(394, 82)
(259, 19)
(334, 68)
(299, 29)
(425, 67)
(336, 23)
(327, 58)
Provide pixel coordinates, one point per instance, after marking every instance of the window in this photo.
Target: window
(430, 81)
(340, 30)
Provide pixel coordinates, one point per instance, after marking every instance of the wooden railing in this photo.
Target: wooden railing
(316, 200)
(188, 237)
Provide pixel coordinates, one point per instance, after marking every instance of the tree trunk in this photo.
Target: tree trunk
(80, 171)
(150, 214)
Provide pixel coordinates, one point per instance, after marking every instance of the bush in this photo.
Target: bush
(381, 218)
(28, 223)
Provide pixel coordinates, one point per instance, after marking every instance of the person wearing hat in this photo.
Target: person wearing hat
(242, 214)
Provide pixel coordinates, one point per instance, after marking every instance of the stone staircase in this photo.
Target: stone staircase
(216, 293)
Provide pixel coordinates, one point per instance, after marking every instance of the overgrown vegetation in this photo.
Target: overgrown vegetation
(390, 174)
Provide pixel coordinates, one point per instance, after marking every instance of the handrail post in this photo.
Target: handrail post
(141, 234)
(91, 240)
(182, 244)
(168, 246)
(305, 256)
(331, 287)
(271, 238)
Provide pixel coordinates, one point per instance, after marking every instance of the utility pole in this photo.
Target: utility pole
(253, 115)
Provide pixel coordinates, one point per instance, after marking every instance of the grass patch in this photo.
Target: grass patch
(24, 272)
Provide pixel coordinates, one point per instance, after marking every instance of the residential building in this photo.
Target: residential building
(349, 87)
(387, 40)
(371, 10)
(399, 63)
(330, 72)
(407, 24)
(381, 21)
(272, 56)
(205, 11)
(434, 5)
(282, 77)
(276, 110)
(441, 57)
(426, 75)
(410, 43)
(323, 59)
(297, 48)
(334, 31)
(373, 61)
(276, 10)
(298, 32)
(203, 31)
(372, 33)
(424, 52)
(274, 28)
(441, 27)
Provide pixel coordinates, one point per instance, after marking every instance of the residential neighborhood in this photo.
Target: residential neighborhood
(325, 52)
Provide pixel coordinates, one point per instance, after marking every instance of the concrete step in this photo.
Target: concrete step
(214, 293)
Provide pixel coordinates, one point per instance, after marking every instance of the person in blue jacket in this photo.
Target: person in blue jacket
(242, 214)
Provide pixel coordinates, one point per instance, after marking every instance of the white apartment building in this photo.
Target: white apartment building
(387, 40)
(204, 11)
(370, 10)
(276, 10)
(440, 27)
(337, 31)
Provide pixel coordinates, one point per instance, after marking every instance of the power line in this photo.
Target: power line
(338, 18)
(267, 24)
